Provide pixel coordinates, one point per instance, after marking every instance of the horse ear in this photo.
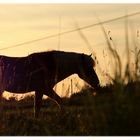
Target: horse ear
(90, 55)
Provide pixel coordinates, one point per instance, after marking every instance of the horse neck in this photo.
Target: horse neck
(70, 63)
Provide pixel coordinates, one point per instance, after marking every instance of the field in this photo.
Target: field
(114, 111)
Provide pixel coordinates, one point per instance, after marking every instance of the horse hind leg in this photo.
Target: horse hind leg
(1, 92)
(2, 88)
(1, 100)
(37, 103)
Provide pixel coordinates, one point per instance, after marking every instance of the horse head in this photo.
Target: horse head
(87, 72)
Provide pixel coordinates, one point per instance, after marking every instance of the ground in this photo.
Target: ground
(114, 111)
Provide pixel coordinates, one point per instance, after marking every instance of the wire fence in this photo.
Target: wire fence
(71, 31)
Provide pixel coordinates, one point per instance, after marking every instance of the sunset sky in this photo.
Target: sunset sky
(26, 22)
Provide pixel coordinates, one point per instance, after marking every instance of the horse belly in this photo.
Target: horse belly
(17, 83)
(25, 84)
(18, 87)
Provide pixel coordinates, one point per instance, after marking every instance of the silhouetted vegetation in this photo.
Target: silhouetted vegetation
(113, 111)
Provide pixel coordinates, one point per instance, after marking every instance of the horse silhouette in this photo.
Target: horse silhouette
(40, 72)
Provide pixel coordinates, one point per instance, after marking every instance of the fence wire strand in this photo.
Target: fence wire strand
(70, 31)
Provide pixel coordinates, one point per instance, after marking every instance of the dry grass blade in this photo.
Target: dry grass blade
(115, 55)
(84, 37)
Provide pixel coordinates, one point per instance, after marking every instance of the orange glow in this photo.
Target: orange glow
(25, 22)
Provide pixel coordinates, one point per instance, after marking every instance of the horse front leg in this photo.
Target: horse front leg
(53, 95)
(37, 103)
